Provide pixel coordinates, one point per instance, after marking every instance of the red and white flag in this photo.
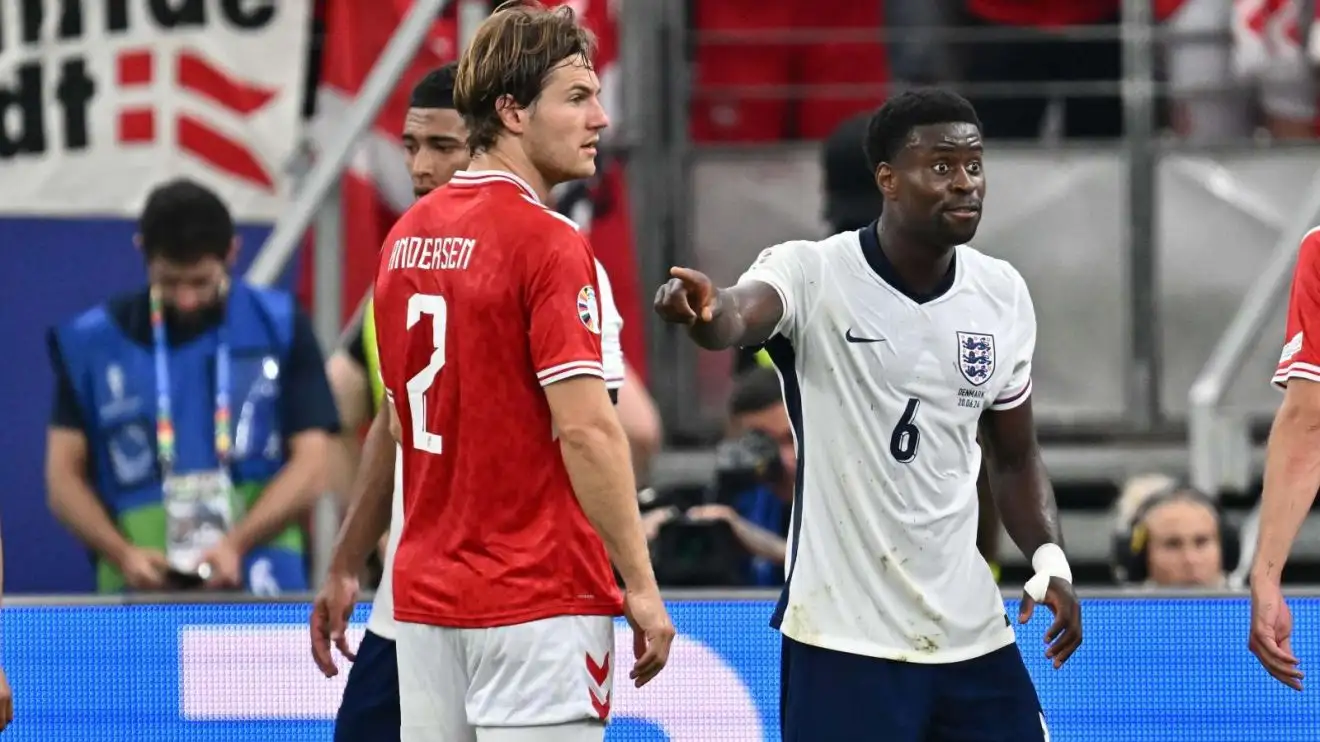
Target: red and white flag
(97, 108)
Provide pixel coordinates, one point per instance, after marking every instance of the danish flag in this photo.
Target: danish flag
(197, 75)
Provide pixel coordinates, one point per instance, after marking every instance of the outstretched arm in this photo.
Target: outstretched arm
(773, 296)
(746, 314)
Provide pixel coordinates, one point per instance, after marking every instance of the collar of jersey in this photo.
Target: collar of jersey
(869, 240)
(487, 177)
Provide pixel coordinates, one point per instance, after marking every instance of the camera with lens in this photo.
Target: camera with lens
(744, 463)
(704, 553)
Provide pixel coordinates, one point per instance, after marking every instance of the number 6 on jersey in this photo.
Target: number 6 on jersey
(433, 306)
(906, 437)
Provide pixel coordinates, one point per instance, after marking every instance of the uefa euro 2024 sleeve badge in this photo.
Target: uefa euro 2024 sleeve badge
(589, 308)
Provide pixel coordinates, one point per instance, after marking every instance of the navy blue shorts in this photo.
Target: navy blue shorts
(370, 709)
(840, 697)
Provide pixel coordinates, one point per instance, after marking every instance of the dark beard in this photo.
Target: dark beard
(195, 321)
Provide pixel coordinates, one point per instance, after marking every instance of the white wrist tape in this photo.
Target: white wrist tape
(1048, 561)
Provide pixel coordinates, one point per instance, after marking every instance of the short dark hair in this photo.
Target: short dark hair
(754, 390)
(436, 90)
(892, 124)
(184, 222)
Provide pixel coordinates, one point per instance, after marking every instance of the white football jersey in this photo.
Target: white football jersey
(885, 393)
(381, 622)
(611, 329)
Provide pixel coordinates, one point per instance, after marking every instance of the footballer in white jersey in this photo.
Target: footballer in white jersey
(435, 147)
(895, 345)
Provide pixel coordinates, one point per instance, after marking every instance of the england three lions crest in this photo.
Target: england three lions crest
(976, 357)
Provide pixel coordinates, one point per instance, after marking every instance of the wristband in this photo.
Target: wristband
(1048, 561)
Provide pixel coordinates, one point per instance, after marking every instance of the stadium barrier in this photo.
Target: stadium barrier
(1154, 666)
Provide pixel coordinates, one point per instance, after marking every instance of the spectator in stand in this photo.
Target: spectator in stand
(1168, 534)
(918, 53)
(1270, 50)
(792, 69)
(1206, 106)
(1041, 56)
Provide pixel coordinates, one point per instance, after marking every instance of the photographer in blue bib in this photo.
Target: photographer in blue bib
(192, 419)
(733, 532)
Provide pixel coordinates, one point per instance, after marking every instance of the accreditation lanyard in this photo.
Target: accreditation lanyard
(164, 414)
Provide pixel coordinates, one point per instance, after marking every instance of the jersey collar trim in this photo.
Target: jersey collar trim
(884, 270)
(486, 177)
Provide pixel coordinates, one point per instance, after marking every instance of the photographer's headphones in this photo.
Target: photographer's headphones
(1131, 543)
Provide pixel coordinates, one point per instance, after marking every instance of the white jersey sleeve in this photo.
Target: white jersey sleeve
(1018, 388)
(611, 345)
(381, 623)
(789, 268)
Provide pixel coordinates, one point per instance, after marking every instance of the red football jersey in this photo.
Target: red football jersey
(1301, 351)
(484, 296)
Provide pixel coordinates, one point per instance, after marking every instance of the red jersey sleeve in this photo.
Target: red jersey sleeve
(1301, 351)
(563, 307)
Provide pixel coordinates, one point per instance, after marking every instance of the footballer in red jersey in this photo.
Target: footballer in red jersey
(517, 489)
(484, 298)
(1292, 469)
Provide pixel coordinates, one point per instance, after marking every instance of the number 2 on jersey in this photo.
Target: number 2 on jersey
(906, 437)
(433, 306)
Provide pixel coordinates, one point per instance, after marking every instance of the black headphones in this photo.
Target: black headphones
(1130, 547)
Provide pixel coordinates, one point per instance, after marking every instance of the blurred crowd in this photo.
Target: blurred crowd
(789, 69)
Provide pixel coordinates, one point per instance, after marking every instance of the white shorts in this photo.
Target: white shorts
(455, 682)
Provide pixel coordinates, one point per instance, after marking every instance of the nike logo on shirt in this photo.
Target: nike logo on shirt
(854, 339)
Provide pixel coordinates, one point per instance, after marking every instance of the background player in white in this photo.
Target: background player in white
(894, 343)
(435, 147)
